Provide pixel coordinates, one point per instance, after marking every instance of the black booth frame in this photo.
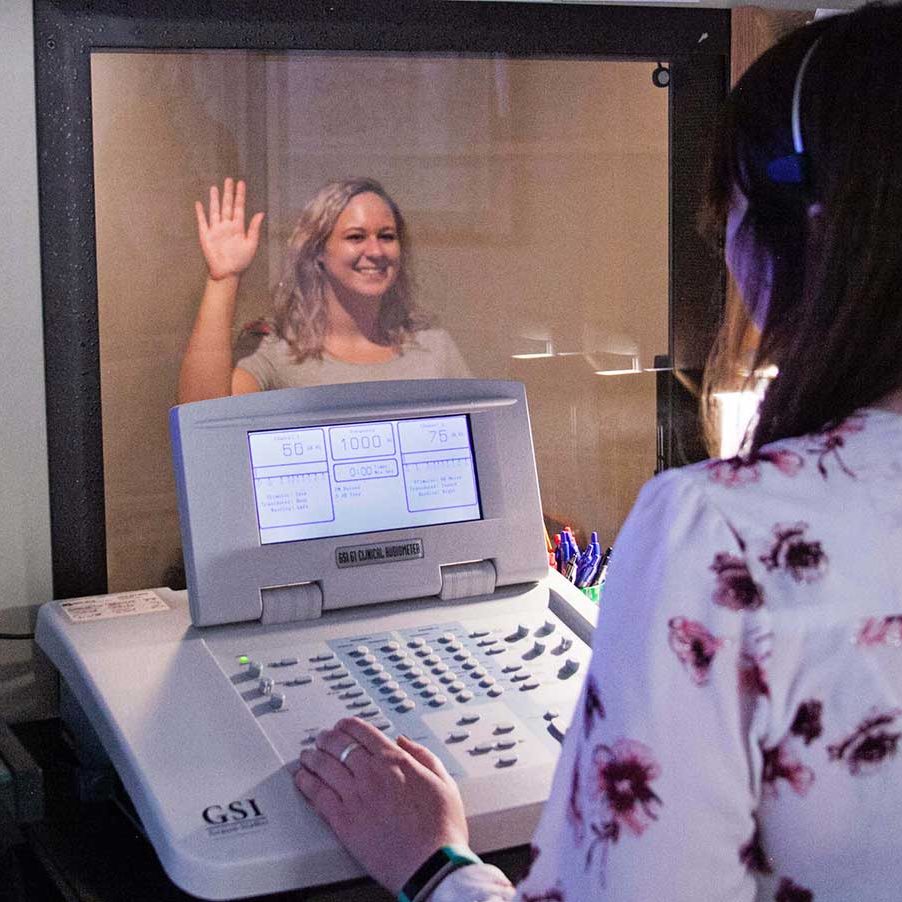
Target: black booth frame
(694, 43)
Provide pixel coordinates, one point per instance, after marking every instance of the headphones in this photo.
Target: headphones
(793, 168)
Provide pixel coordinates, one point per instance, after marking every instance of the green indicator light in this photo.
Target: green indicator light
(243, 659)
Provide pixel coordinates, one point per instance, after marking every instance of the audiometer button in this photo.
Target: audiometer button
(374, 668)
(337, 675)
(465, 696)
(277, 701)
(438, 701)
(424, 651)
(420, 682)
(506, 761)
(390, 686)
(414, 672)
(503, 744)
(538, 648)
(495, 650)
(570, 667)
(551, 714)
(479, 634)
(398, 696)
(302, 680)
(521, 632)
(382, 678)
(487, 681)
(511, 668)
(485, 643)
(532, 684)
(360, 651)
(431, 659)
(397, 656)
(266, 685)
(564, 645)
(454, 646)
(447, 637)
(459, 736)
(483, 748)
(323, 656)
(429, 691)
(345, 684)
(407, 705)
(331, 665)
(495, 691)
(382, 724)
(367, 659)
(288, 662)
(391, 646)
(254, 668)
(416, 642)
(547, 628)
(462, 655)
(469, 664)
(466, 719)
(520, 677)
(478, 673)
(501, 728)
(351, 693)
(406, 664)
(440, 668)
(456, 686)
(368, 712)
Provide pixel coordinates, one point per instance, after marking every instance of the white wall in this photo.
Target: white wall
(25, 573)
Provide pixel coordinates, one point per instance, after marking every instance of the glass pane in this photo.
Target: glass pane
(536, 193)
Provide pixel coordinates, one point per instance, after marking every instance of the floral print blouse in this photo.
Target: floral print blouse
(738, 732)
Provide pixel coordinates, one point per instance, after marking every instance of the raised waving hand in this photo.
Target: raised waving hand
(227, 247)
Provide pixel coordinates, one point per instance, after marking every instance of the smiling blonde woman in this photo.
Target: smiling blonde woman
(342, 312)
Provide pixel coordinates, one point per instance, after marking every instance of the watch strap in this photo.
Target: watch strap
(436, 867)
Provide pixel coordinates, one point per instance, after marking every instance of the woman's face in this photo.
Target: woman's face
(751, 270)
(362, 255)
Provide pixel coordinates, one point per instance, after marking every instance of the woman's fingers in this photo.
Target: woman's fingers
(202, 225)
(425, 757)
(214, 205)
(253, 230)
(228, 198)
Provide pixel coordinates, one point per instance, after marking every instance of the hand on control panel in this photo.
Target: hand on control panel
(374, 794)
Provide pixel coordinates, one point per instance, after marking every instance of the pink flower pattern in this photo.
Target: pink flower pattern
(805, 561)
(781, 764)
(832, 441)
(735, 587)
(876, 631)
(869, 745)
(733, 472)
(694, 646)
(788, 891)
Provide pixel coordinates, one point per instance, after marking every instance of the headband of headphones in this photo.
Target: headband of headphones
(792, 169)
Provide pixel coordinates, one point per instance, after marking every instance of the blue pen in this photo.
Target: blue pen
(588, 562)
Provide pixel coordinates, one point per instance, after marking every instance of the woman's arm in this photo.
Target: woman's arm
(228, 250)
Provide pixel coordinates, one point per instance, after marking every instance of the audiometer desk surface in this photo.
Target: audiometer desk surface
(204, 726)
(93, 852)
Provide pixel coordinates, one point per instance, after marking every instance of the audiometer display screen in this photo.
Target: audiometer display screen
(353, 478)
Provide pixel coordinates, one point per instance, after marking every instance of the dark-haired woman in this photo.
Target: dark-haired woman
(738, 733)
(343, 311)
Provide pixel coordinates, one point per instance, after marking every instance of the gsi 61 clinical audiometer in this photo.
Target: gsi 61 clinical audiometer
(372, 549)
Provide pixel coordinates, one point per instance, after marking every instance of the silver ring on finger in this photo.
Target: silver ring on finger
(346, 751)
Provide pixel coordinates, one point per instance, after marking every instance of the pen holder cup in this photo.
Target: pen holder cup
(593, 593)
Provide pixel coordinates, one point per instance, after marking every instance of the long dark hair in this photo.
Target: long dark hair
(299, 299)
(831, 245)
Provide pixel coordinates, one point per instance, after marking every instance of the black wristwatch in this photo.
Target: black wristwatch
(436, 867)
